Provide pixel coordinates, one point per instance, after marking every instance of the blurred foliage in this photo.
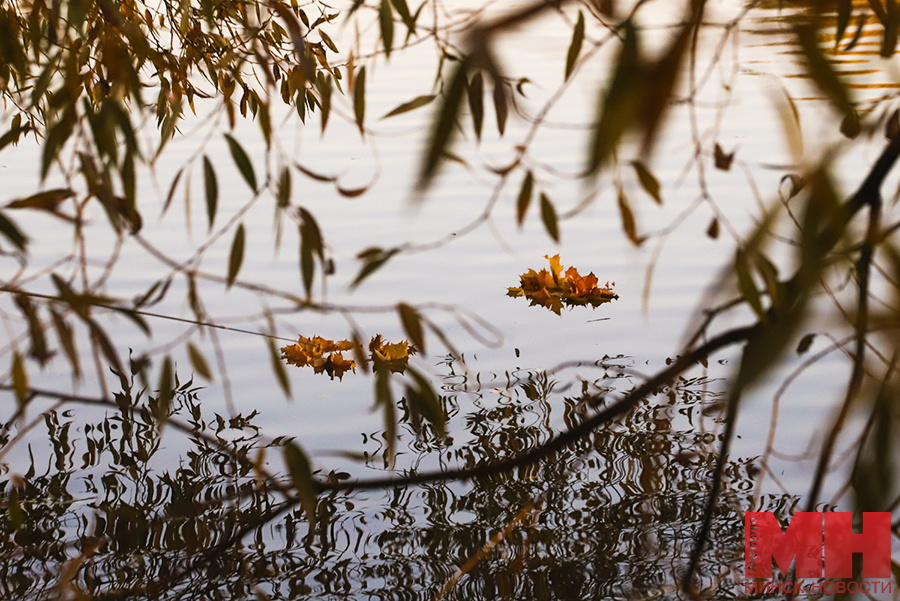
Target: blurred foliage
(103, 88)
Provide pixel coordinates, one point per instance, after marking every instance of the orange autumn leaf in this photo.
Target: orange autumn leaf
(560, 288)
(321, 354)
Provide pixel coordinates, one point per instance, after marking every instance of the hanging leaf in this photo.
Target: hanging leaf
(359, 99)
(746, 284)
(805, 343)
(575, 45)
(524, 199)
(500, 107)
(423, 401)
(628, 222)
(12, 233)
(165, 392)
(821, 70)
(548, 216)
(236, 257)
(48, 200)
(301, 474)
(283, 192)
(713, 230)
(850, 125)
(647, 180)
(412, 325)
(417, 102)
(476, 102)
(844, 14)
(212, 190)
(386, 21)
(19, 378)
(443, 128)
(242, 161)
(67, 341)
(405, 16)
(723, 161)
(171, 193)
(198, 363)
(373, 259)
(278, 367)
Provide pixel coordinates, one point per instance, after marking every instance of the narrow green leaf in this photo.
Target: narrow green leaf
(12, 233)
(198, 363)
(301, 474)
(412, 325)
(524, 199)
(307, 264)
(359, 99)
(443, 128)
(500, 107)
(19, 378)
(236, 257)
(746, 284)
(403, 10)
(819, 68)
(278, 367)
(476, 102)
(617, 110)
(384, 399)
(628, 222)
(283, 193)
(67, 341)
(844, 14)
(386, 22)
(242, 161)
(427, 402)
(417, 102)
(165, 392)
(109, 351)
(889, 40)
(373, 259)
(14, 511)
(575, 45)
(171, 193)
(212, 190)
(648, 181)
(548, 216)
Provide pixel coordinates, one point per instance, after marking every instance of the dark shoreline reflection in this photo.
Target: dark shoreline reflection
(614, 517)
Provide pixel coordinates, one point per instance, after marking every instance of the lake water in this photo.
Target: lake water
(616, 516)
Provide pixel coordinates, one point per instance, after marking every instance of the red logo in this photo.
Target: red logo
(807, 542)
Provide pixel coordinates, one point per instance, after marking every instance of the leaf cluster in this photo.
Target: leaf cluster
(554, 289)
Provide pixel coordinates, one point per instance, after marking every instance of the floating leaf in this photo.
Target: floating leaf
(242, 161)
(212, 190)
(301, 475)
(391, 356)
(236, 257)
(575, 45)
(647, 180)
(548, 216)
(554, 289)
(324, 356)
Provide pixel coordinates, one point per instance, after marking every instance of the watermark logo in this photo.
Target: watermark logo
(821, 545)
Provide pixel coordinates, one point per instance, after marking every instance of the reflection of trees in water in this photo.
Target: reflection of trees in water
(613, 515)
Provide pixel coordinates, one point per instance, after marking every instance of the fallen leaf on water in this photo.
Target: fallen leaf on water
(393, 356)
(323, 355)
(557, 288)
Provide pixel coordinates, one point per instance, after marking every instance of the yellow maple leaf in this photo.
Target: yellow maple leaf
(321, 354)
(393, 356)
